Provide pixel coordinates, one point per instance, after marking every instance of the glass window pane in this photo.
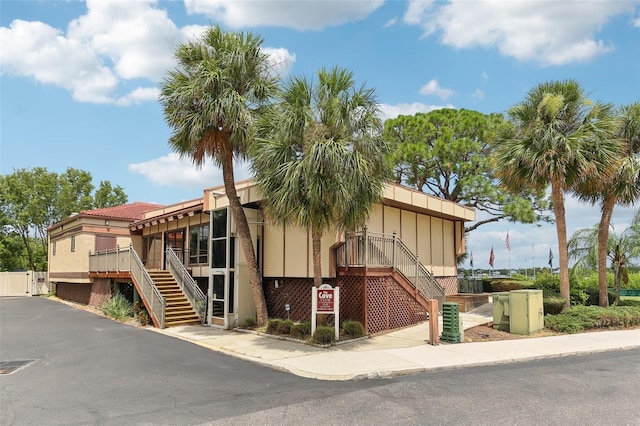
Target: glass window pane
(219, 223)
(231, 291)
(193, 245)
(218, 252)
(218, 308)
(218, 286)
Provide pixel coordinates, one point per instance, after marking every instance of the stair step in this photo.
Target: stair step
(183, 304)
(180, 307)
(175, 297)
(178, 310)
(170, 291)
(183, 312)
(181, 318)
(185, 322)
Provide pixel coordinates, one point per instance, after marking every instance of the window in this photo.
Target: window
(219, 223)
(54, 248)
(198, 244)
(219, 239)
(73, 244)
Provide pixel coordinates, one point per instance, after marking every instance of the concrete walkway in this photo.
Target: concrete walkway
(404, 351)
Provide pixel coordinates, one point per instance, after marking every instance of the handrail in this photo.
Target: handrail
(189, 286)
(383, 250)
(127, 260)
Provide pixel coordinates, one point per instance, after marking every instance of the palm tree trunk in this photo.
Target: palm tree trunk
(317, 258)
(244, 234)
(317, 268)
(557, 196)
(617, 269)
(603, 239)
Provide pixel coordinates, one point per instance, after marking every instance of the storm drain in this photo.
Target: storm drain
(8, 367)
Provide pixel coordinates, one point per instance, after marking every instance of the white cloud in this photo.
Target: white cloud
(433, 88)
(417, 11)
(636, 22)
(392, 111)
(281, 59)
(301, 15)
(40, 51)
(136, 36)
(484, 76)
(114, 42)
(139, 95)
(478, 94)
(391, 22)
(173, 171)
(550, 33)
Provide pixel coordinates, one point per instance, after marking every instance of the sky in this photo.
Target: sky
(79, 80)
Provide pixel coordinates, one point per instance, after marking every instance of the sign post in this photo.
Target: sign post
(325, 300)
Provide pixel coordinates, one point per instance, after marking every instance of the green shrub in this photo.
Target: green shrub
(324, 335)
(634, 281)
(628, 302)
(549, 284)
(285, 327)
(578, 296)
(507, 284)
(353, 329)
(579, 318)
(249, 322)
(272, 326)
(301, 330)
(594, 296)
(553, 304)
(141, 313)
(117, 307)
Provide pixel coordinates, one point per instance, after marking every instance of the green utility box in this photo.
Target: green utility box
(526, 311)
(501, 311)
(452, 330)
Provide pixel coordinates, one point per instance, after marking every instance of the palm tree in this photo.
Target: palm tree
(623, 187)
(584, 247)
(320, 161)
(211, 100)
(556, 137)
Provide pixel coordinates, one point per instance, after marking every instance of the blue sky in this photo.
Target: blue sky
(79, 80)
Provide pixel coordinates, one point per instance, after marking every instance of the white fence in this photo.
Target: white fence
(25, 283)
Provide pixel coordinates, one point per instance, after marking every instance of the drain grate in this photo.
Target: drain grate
(8, 367)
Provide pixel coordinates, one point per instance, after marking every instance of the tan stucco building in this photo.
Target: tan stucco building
(366, 264)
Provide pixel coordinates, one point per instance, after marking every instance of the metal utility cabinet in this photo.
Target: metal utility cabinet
(526, 313)
(501, 311)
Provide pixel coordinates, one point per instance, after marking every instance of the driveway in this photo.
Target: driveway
(87, 369)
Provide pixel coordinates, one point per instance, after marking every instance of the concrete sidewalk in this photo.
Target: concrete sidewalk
(404, 351)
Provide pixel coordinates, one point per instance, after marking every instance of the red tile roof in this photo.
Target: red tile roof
(131, 212)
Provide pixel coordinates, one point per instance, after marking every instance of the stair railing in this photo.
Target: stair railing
(383, 250)
(186, 282)
(127, 260)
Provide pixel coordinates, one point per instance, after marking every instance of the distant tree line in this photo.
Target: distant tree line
(33, 199)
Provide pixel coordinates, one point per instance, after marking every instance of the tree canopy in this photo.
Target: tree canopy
(446, 153)
(211, 101)
(620, 185)
(621, 249)
(320, 161)
(31, 200)
(555, 137)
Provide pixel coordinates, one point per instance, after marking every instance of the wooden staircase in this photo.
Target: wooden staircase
(179, 311)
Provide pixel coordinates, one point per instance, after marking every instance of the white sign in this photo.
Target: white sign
(325, 300)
